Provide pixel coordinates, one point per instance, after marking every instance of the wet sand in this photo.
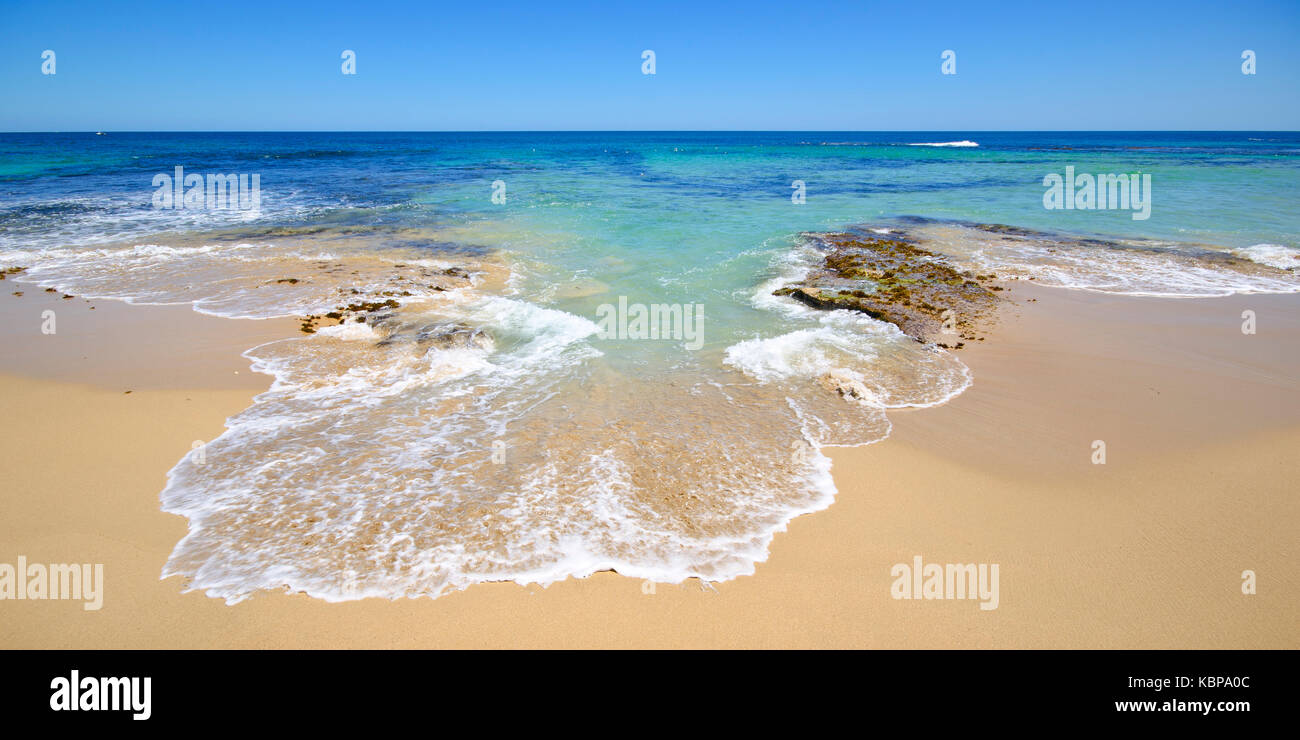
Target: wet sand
(1200, 422)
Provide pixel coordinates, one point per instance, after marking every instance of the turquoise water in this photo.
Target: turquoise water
(392, 459)
(1223, 188)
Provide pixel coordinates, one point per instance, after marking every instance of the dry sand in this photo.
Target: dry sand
(1200, 423)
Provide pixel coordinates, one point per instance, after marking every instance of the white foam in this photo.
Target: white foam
(946, 143)
(350, 332)
(1138, 267)
(1135, 273)
(231, 280)
(1272, 255)
(804, 354)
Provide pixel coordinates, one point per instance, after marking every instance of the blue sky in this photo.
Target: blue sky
(500, 65)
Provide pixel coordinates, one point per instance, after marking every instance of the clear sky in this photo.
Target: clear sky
(755, 65)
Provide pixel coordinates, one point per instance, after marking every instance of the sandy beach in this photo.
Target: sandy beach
(1199, 421)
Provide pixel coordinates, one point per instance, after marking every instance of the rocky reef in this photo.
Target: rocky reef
(894, 279)
(361, 310)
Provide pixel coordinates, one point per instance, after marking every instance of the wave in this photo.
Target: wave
(1272, 255)
(241, 281)
(962, 143)
(1138, 267)
(894, 370)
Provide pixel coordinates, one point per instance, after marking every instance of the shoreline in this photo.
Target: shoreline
(1145, 551)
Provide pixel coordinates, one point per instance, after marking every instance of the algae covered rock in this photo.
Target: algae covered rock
(898, 281)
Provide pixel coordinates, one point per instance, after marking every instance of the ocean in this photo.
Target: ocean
(492, 406)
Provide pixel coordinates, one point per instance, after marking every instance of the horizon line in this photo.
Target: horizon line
(657, 131)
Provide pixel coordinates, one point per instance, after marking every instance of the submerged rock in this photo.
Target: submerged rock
(381, 320)
(441, 336)
(454, 337)
(1012, 230)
